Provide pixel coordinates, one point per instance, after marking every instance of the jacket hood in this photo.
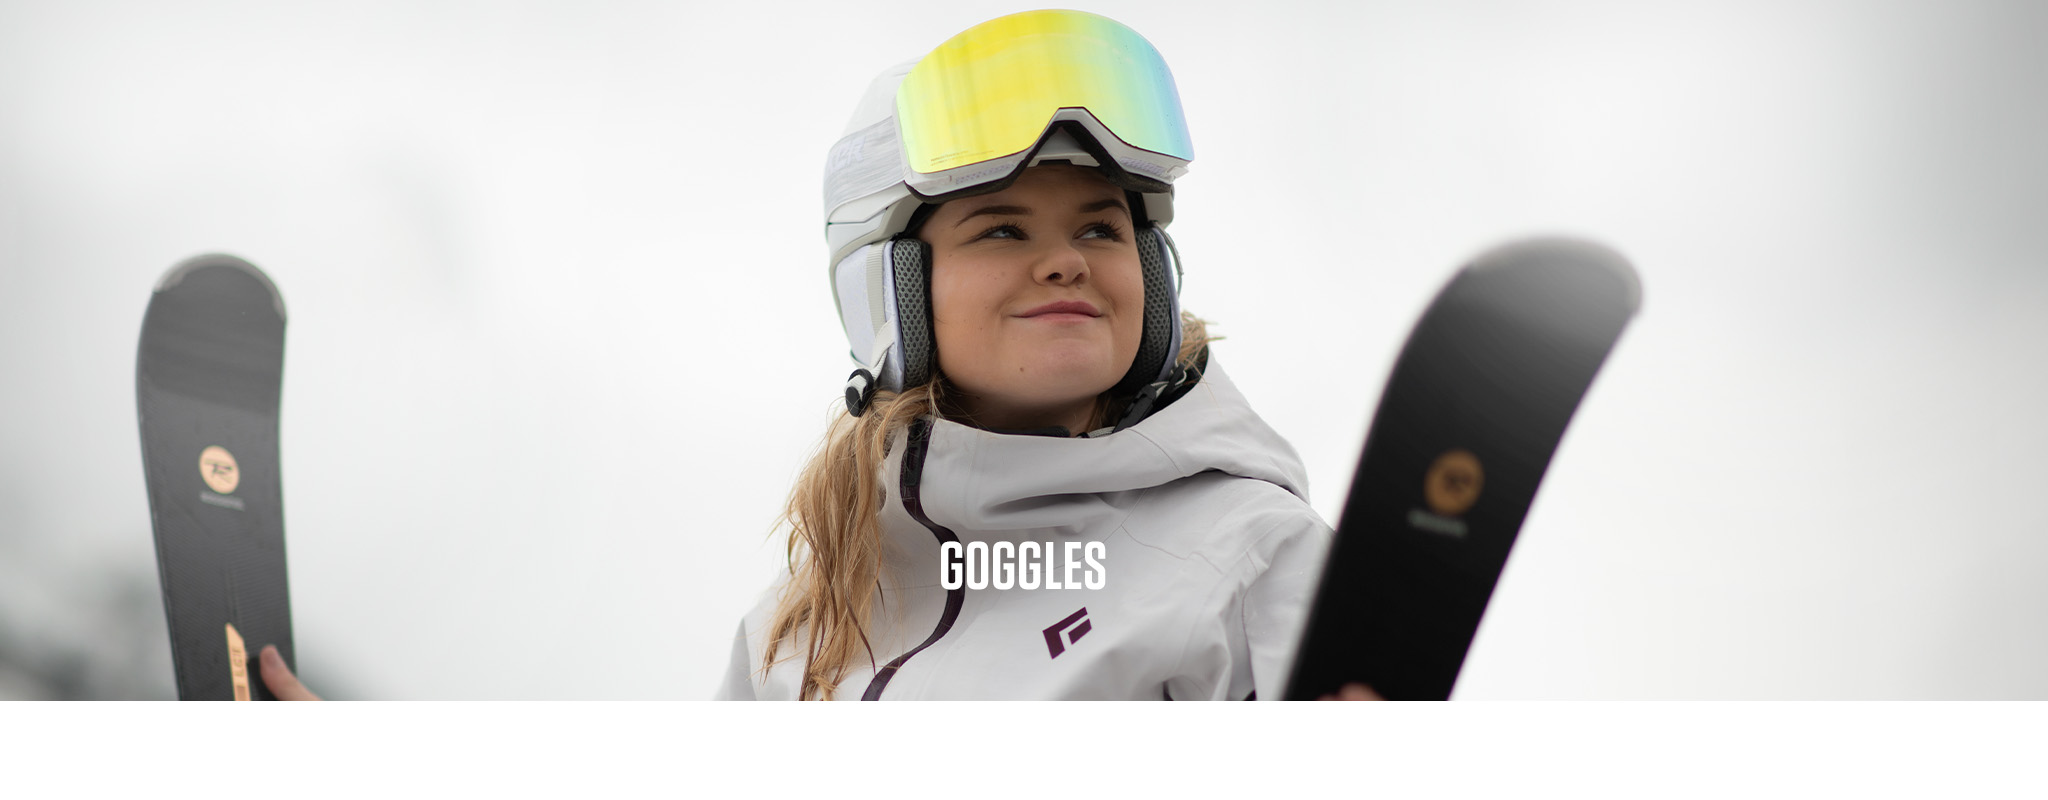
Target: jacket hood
(978, 480)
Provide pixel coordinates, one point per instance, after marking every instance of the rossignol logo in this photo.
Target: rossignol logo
(1449, 489)
(1453, 483)
(1022, 565)
(1074, 627)
(217, 468)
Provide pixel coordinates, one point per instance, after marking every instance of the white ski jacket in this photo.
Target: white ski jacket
(1208, 558)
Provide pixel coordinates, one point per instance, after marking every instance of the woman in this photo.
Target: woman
(1044, 486)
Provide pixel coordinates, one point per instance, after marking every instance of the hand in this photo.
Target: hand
(1351, 691)
(280, 679)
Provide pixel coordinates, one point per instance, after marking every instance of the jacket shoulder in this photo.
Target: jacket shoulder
(1222, 518)
(1266, 548)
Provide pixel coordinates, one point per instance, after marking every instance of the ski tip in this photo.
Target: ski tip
(178, 272)
(1565, 250)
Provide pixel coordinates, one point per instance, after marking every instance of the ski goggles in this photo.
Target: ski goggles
(973, 110)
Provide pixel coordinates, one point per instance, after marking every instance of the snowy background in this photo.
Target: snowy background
(560, 332)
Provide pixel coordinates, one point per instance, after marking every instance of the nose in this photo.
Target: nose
(1061, 265)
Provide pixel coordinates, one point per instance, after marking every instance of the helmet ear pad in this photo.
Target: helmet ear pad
(910, 267)
(1160, 345)
(910, 264)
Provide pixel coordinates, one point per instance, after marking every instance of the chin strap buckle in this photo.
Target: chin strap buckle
(860, 391)
(862, 384)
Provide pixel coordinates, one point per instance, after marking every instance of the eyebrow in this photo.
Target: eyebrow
(1021, 211)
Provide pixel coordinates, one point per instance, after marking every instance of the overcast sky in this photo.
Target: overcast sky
(560, 333)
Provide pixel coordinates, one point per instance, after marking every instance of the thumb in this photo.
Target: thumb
(1353, 691)
(280, 679)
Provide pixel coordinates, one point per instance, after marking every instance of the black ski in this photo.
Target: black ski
(208, 375)
(1472, 414)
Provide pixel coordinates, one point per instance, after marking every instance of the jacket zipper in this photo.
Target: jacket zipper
(913, 502)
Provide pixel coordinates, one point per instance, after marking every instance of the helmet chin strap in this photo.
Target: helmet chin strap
(860, 386)
(1147, 400)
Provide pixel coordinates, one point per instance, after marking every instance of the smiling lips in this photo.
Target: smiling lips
(1063, 311)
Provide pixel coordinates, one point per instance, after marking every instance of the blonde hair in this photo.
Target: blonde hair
(834, 516)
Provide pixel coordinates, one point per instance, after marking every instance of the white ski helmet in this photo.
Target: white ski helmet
(1010, 93)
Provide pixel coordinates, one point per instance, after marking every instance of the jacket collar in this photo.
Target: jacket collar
(980, 480)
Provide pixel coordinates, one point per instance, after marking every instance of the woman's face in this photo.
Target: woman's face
(1038, 301)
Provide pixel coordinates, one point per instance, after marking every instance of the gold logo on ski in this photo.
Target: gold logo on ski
(217, 468)
(238, 663)
(1453, 482)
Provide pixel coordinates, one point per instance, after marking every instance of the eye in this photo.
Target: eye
(1004, 231)
(1103, 230)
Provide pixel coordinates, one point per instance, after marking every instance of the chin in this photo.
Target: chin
(1045, 385)
(1052, 374)
(1070, 376)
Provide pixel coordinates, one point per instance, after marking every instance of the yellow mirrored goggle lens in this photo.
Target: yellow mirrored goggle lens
(990, 91)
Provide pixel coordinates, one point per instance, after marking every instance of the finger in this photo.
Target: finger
(280, 679)
(1358, 691)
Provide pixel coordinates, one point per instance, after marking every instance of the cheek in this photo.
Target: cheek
(960, 313)
(1126, 288)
